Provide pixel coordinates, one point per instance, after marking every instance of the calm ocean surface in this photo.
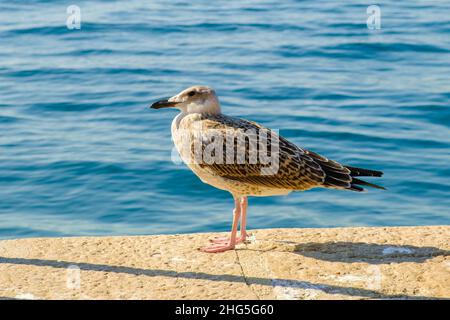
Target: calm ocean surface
(81, 154)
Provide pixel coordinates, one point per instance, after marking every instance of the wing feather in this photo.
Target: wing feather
(299, 169)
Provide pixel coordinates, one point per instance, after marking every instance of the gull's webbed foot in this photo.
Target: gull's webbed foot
(218, 248)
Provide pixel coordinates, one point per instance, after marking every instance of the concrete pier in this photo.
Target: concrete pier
(335, 263)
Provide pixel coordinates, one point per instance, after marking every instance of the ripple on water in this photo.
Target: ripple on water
(81, 153)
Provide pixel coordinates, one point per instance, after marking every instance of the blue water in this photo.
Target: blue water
(80, 153)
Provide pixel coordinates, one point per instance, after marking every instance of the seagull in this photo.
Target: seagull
(225, 152)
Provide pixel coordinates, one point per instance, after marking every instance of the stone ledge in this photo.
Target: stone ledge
(337, 263)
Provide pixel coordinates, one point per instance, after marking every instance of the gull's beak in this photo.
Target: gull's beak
(163, 104)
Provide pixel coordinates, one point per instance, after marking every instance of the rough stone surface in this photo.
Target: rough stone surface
(340, 263)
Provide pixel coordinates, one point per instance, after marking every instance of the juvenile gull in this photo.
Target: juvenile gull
(225, 152)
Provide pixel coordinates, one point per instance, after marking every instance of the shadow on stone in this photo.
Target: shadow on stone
(330, 289)
(367, 252)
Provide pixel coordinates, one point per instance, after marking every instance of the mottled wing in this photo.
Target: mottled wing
(298, 169)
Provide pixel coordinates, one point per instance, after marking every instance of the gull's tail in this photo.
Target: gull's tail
(360, 172)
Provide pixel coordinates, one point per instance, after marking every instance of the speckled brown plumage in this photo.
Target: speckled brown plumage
(299, 169)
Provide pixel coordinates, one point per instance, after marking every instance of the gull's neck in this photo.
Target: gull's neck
(204, 109)
(200, 111)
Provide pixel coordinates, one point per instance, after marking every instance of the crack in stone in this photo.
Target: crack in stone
(245, 277)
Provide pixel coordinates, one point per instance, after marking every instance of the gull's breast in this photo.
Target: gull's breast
(186, 129)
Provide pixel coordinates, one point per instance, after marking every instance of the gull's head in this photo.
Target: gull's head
(196, 99)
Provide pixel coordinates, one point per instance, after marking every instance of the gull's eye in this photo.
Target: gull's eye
(191, 93)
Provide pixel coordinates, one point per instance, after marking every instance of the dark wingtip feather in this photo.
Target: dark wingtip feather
(356, 188)
(356, 181)
(360, 172)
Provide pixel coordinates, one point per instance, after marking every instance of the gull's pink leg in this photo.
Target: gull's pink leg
(229, 245)
(243, 236)
(244, 205)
